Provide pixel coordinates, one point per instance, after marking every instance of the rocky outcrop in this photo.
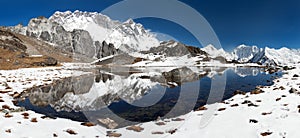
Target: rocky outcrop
(178, 76)
(104, 49)
(194, 51)
(11, 42)
(77, 41)
(83, 43)
(175, 49)
(51, 32)
(45, 61)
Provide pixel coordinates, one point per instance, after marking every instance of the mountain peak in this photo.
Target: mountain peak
(127, 35)
(214, 52)
(242, 46)
(210, 47)
(129, 21)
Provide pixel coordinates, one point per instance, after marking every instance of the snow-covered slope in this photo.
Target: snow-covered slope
(245, 53)
(253, 54)
(214, 52)
(266, 56)
(283, 56)
(132, 36)
(96, 24)
(125, 36)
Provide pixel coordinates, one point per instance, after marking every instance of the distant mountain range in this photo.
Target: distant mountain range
(253, 54)
(96, 36)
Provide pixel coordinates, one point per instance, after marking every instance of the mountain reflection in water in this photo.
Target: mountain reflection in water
(138, 95)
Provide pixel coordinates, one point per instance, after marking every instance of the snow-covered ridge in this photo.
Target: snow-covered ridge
(245, 53)
(98, 25)
(126, 36)
(283, 55)
(267, 56)
(214, 52)
(253, 54)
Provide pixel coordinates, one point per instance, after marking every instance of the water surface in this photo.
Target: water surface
(128, 96)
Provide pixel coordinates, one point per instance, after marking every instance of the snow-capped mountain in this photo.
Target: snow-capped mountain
(253, 54)
(283, 55)
(89, 35)
(132, 36)
(266, 56)
(76, 41)
(245, 53)
(214, 52)
(93, 35)
(125, 36)
(98, 25)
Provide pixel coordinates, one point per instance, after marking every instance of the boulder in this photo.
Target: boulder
(111, 124)
(293, 90)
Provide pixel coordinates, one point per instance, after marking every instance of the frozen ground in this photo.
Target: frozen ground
(14, 123)
(274, 113)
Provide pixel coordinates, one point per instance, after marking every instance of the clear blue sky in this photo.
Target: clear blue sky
(273, 23)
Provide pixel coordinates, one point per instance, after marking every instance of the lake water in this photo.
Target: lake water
(137, 96)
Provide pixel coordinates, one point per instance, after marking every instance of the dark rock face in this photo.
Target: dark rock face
(98, 49)
(175, 49)
(45, 30)
(11, 42)
(105, 49)
(261, 58)
(83, 43)
(194, 51)
(45, 36)
(46, 61)
(78, 41)
(179, 76)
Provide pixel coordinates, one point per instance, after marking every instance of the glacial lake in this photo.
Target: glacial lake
(137, 96)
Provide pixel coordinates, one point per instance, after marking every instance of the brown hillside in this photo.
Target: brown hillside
(19, 51)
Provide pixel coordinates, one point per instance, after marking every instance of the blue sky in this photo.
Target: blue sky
(273, 23)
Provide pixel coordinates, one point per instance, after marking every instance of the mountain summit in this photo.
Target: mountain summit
(127, 36)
